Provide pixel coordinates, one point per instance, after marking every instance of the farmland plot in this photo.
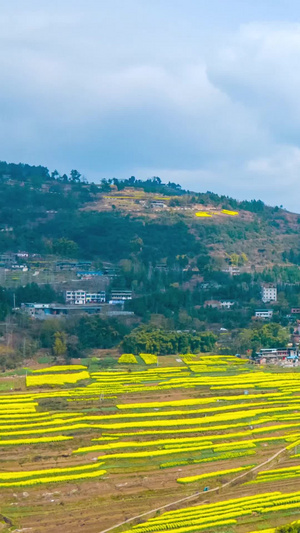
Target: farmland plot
(92, 450)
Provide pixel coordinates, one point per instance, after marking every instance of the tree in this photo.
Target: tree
(148, 340)
(243, 259)
(73, 346)
(202, 261)
(59, 347)
(105, 186)
(8, 358)
(65, 247)
(75, 176)
(47, 330)
(94, 189)
(35, 293)
(95, 332)
(136, 244)
(234, 259)
(55, 175)
(182, 261)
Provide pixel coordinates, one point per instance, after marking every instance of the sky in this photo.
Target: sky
(206, 94)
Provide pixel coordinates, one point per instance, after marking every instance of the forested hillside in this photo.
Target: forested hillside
(149, 221)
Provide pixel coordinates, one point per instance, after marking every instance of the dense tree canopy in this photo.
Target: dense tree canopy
(158, 341)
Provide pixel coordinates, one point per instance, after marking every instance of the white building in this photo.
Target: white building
(158, 205)
(269, 293)
(226, 304)
(264, 313)
(121, 295)
(80, 297)
(232, 270)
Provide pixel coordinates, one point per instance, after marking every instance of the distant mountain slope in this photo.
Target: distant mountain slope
(148, 220)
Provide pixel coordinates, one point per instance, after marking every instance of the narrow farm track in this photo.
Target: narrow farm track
(196, 494)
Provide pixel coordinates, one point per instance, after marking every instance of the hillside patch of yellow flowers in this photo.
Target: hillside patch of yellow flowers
(59, 368)
(213, 515)
(127, 358)
(149, 358)
(56, 379)
(200, 477)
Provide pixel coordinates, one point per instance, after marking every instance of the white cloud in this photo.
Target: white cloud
(279, 176)
(121, 88)
(259, 68)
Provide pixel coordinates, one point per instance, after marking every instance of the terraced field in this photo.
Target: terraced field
(204, 443)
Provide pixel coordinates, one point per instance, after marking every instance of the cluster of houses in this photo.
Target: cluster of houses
(288, 357)
(24, 261)
(80, 301)
(268, 296)
(84, 269)
(14, 261)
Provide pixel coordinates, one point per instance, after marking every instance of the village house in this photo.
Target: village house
(232, 270)
(45, 311)
(73, 265)
(227, 304)
(158, 205)
(214, 304)
(264, 313)
(89, 274)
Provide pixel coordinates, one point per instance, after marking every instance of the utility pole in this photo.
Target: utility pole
(6, 331)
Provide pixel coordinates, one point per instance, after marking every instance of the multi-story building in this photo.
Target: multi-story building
(95, 297)
(120, 296)
(269, 293)
(81, 297)
(264, 313)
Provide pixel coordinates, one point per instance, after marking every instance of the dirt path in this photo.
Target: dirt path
(196, 494)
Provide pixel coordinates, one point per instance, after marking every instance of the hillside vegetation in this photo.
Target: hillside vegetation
(44, 212)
